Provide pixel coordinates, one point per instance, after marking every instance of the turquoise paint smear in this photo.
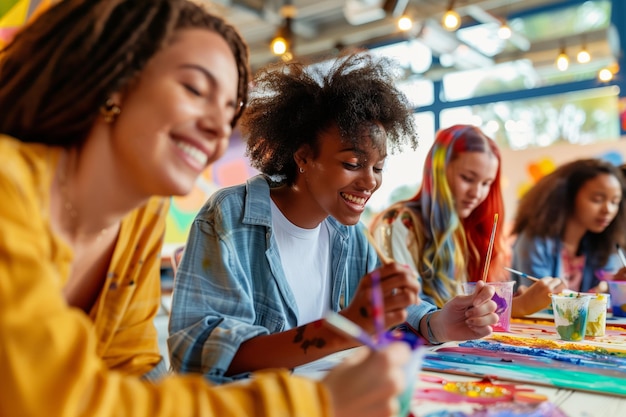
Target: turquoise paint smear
(597, 376)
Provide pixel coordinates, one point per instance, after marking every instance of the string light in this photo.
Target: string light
(283, 40)
(583, 55)
(451, 20)
(605, 75)
(562, 60)
(504, 31)
(405, 23)
(279, 45)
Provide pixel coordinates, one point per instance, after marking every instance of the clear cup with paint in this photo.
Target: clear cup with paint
(503, 297)
(570, 315)
(596, 317)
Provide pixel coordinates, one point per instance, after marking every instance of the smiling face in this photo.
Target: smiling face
(597, 203)
(470, 176)
(340, 178)
(176, 116)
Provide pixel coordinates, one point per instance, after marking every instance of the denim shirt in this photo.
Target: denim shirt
(541, 257)
(231, 287)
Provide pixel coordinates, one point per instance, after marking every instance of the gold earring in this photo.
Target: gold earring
(110, 111)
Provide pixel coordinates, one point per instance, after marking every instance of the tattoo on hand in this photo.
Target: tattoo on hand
(363, 312)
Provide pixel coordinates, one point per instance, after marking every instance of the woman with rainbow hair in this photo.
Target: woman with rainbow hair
(443, 232)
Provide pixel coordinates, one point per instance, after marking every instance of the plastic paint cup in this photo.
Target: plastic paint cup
(503, 298)
(596, 317)
(570, 315)
(618, 297)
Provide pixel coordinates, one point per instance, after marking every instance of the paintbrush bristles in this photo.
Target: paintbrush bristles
(384, 258)
(490, 249)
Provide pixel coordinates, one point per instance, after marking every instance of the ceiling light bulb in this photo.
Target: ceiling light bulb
(562, 61)
(605, 75)
(279, 45)
(451, 20)
(504, 32)
(583, 56)
(405, 23)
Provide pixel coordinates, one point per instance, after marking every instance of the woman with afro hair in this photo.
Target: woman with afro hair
(266, 260)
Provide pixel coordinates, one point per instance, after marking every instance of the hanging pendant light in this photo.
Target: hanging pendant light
(583, 55)
(451, 20)
(562, 60)
(504, 31)
(282, 43)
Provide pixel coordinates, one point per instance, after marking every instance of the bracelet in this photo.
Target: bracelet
(430, 336)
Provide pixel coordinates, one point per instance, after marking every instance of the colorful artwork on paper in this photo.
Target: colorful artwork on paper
(440, 397)
(15, 13)
(532, 353)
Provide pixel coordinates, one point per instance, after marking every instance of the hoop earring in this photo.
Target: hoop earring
(110, 111)
(301, 170)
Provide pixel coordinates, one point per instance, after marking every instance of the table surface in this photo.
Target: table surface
(432, 400)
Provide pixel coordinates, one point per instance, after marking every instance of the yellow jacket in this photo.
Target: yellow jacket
(57, 361)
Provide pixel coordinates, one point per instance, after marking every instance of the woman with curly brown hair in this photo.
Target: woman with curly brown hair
(568, 224)
(105, 104)
(266, 260)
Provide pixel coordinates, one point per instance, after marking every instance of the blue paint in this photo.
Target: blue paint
(598, 371)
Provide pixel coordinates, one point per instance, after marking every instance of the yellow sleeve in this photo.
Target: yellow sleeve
(128, 338)
(48, 360)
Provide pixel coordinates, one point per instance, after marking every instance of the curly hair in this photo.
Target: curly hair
(292, 104)
(57, 74)
(545, 209)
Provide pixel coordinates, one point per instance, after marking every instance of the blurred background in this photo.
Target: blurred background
(544, 78)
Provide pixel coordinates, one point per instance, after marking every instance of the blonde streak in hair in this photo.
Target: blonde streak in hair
(427, 271)
(436, 259)
(455, 232)
(460, 261)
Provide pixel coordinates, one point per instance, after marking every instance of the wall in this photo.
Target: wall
(522, 168)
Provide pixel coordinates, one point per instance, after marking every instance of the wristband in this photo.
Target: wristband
(430, 336)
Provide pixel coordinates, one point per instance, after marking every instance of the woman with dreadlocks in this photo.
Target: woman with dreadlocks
(105, 105)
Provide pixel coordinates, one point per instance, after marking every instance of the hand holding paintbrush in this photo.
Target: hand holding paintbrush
(552, 282)
(381, 299)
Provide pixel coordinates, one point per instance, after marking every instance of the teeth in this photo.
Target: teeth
(354, 199)
(193, 152)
